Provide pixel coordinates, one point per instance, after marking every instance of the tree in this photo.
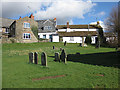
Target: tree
(113, 22)
(35, 31)
(88, 39)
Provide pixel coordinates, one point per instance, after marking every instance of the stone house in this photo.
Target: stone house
(46, 29)
(21, 31)
(5, 26)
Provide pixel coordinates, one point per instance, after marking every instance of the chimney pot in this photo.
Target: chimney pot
(31, 16)
(67, 24)
(20, 17)
(54, 19)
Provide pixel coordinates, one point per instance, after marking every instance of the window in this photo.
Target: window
(47, 27)
(7, 30)
(44, 36)
(26, 36)
(26, 25)
(71, 38)
(50, 36)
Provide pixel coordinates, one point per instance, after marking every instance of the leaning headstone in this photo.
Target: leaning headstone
(53, 47)
(44, 59)
(65, 43)
(36, 58)
(63, 56)
(31, 57)
(57, 57)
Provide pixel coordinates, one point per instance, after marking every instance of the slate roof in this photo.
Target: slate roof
(6, 22)
(77, 33)
(78, 26)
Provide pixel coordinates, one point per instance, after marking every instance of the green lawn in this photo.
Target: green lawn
(82, 71)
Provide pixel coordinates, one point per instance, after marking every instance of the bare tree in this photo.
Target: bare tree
(113, 21)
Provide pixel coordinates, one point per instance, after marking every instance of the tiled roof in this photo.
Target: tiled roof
(6, 22)
(78, 33)
(78, 26)
(110, 34)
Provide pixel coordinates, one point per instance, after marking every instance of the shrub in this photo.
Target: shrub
(12, 40)
(35, 31)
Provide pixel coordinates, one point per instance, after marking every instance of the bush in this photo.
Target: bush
(88, 40)
(35, 31)
(12, 40)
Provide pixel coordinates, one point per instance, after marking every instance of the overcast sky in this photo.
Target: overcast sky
(74, 11)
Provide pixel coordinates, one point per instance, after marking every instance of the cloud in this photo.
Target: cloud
(93, 14)
(61, 9)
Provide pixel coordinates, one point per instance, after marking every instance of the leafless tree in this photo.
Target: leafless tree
(113, 21)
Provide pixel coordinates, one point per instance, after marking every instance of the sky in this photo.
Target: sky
(74, 11)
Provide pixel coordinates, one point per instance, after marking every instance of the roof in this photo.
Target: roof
(110, 34)
(78, 33)
(6, 22)
(78, 26)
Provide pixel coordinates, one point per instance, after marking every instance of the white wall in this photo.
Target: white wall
(78, 39)
(55, 39)
(47, 34)
(75, 40)
(70, 30)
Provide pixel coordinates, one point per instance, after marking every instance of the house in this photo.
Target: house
(5, 26)
(46, 29)
(111, 37)
(21, 30)
(77, 33)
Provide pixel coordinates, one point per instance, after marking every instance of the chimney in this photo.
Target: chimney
(67, 24)
(20, 17)
(54, 19)
(31, 16)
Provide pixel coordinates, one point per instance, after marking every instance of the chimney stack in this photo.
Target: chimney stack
(31, 16)
(20, 17)
(54, 19)
(67, 24)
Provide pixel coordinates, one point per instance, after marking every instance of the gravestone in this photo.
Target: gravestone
(65, 43)
(31, 57)
(57, 57)
(36, 58)
(44, 59)
(63, 56)
(60, 49)
(53, 47)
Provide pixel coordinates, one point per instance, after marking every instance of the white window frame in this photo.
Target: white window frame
(26, 25)
(26, 35)
(45, 36)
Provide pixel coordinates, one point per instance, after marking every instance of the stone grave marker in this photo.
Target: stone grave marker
(57, 57)
(63, 56)
(53, 47)
(60, 49)
(44, 59)
(65, 43)
(31, 57)
(36, 58)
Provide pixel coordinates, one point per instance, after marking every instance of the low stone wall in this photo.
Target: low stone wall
(8, 40)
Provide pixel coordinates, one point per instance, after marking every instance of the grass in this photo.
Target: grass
(80, 71)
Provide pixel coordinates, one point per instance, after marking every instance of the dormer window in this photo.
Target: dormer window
(26, 25)
(47, 28)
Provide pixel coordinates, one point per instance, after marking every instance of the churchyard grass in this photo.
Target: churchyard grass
(18, 73)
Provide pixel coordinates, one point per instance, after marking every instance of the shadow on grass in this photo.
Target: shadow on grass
(109, 59)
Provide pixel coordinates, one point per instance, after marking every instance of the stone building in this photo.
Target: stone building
(21, 31)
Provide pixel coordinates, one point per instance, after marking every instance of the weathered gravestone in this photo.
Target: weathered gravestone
(36, 58)
(65, 43)
(44, 59)
(31, 57)
(57, 57)
(63, 56)
(53, 47)
(60, 49)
